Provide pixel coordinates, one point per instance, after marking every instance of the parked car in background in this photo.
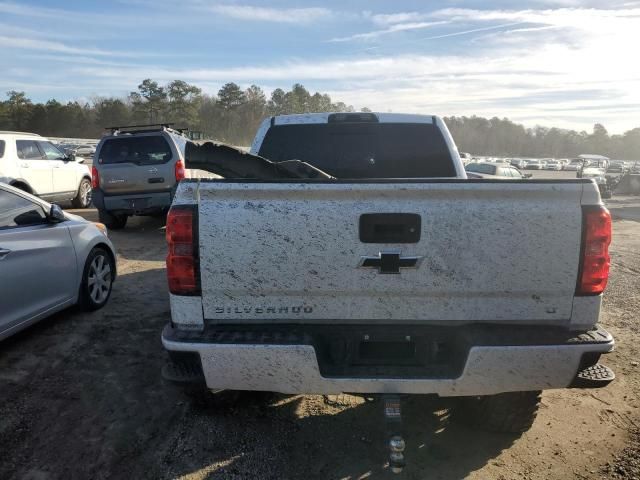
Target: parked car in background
(49, 260)
(66, 148)
(85, 151)
(466, 157)
(635, 168)
(136, 171)
(553, 165)
(596, 171)
(534, 164)
(496, 171)
(574, 165)
(518, 162)
(599, 160)
(33, 164)
(617, 166)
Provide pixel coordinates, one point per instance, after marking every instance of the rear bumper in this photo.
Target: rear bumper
(292, 363)
(133, 203)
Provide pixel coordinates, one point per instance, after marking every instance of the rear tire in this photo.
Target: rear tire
(512, 412)
(97, 280)
(113, 222)
(83, 196)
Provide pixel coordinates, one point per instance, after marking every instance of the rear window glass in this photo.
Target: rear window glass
(363, 150)
(146, 150)
(1, 148)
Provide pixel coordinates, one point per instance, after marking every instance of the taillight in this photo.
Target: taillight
(95, 177)
(182, 258)
(179, 170)
(595, 261)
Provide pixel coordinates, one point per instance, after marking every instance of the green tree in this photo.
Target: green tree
(184, 103)
(148, 102)
(111, 112)
(298, 100)
(231, 99)
(230, 96)
(277, 104)
(253, 111)
(18, 109)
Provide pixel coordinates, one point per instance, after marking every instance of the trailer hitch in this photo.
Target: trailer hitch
(396, 443)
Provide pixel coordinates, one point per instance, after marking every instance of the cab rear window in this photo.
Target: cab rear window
(144, 150)
(1, 148)
(363, 150)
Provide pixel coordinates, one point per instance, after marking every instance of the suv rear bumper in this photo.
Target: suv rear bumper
(290, 362)
(133, 203)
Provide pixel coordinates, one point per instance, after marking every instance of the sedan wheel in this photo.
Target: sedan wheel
(98, 279)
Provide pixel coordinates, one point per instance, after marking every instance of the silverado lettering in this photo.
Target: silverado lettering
(263, 310)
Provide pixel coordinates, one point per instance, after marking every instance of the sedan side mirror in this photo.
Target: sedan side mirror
(56, 215)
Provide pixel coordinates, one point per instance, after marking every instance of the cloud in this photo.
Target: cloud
(51, 46)
(400, 27)
(45, 45)
(400, 17)
(584, 18)
(569, 67)
(265, 14)
(473, 30)
(83, 21)
(554, 83)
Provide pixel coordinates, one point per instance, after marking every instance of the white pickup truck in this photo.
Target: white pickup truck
(393, 274)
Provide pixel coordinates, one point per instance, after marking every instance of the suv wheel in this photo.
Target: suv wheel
(512, 412)
(97, 280)
(83, 197)
(112, 221)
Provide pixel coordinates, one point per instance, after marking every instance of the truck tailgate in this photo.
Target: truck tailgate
(292, 252)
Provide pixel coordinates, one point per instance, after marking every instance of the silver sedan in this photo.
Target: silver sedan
(49, 260)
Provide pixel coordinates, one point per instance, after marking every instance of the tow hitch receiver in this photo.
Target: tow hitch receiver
(393, 420)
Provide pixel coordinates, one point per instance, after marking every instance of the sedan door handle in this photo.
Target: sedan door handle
(3, 253)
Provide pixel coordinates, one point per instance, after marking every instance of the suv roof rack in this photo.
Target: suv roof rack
(150, 127)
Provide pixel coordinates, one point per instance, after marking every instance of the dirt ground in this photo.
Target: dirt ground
(81, 397)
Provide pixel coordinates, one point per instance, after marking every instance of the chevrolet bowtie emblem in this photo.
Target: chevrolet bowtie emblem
(390, 262)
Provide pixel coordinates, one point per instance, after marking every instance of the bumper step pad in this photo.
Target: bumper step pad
(595, 376)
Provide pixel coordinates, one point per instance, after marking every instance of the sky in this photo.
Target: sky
(564, 63)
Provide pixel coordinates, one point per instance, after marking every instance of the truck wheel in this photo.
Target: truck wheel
(97, 280)
(83, 197)
(113, 222)
(512, 412)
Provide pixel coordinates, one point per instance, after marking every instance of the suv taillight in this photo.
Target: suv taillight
(179, 170)
(595, 261)
(182, 258)
(95, 177)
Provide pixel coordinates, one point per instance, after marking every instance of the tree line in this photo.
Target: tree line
(233, 116)
(504, 138)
